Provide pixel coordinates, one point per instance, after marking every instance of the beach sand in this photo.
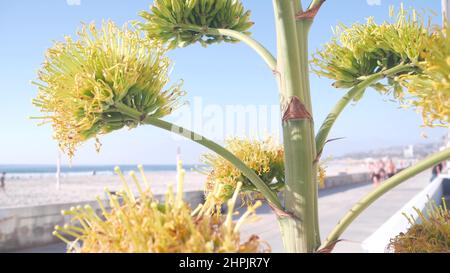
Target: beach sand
(42, 190)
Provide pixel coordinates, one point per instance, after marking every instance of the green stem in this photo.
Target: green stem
(298, 6)
(303, 28)
(315, 3)
(326, 127)
(248, 172)
(298, 229)
(255, 45)
(381, 190)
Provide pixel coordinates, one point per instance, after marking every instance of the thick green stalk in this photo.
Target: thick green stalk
(303, 27)
(326, 127)
(381, 190)
(298, 224)
(298, 6)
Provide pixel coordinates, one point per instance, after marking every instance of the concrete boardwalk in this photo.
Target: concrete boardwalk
(333, 204)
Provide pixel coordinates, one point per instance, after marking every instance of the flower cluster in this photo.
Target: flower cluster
(429, 234)
(264, 157)
(431, 89)
(185, 22)
(89, 86)
(362, 50)
(142, 224)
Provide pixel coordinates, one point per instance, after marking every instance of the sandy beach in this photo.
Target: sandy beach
(22, 191)
(42, 190)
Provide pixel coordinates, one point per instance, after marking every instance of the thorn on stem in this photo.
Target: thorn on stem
(296, 110)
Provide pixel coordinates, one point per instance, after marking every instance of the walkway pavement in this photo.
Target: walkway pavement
(333, 204)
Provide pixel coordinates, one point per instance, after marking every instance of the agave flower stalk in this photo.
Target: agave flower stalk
(167, 21)
(97, 85)
(299, 220)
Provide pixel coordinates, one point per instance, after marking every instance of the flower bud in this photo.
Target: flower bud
(185, 22)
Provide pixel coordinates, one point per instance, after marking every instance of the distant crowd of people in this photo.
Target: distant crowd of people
(382, 170)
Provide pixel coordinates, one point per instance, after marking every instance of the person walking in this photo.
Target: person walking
(381, 167)
(391, 169)
(436, 171)
(2, 181)
(374, 174)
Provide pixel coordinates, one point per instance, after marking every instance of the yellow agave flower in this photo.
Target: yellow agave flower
(84, 85)
(185, 22)
(362, 50)
(428, 234)
(431, 89)
(142, 224)
(265, 157)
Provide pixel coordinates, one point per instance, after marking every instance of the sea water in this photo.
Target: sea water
(50, 170)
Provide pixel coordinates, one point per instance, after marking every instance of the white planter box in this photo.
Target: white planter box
(380, 239)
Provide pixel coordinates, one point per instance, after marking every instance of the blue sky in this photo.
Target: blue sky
(223, 74)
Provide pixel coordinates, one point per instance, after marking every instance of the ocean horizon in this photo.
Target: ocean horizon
(45, 169)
